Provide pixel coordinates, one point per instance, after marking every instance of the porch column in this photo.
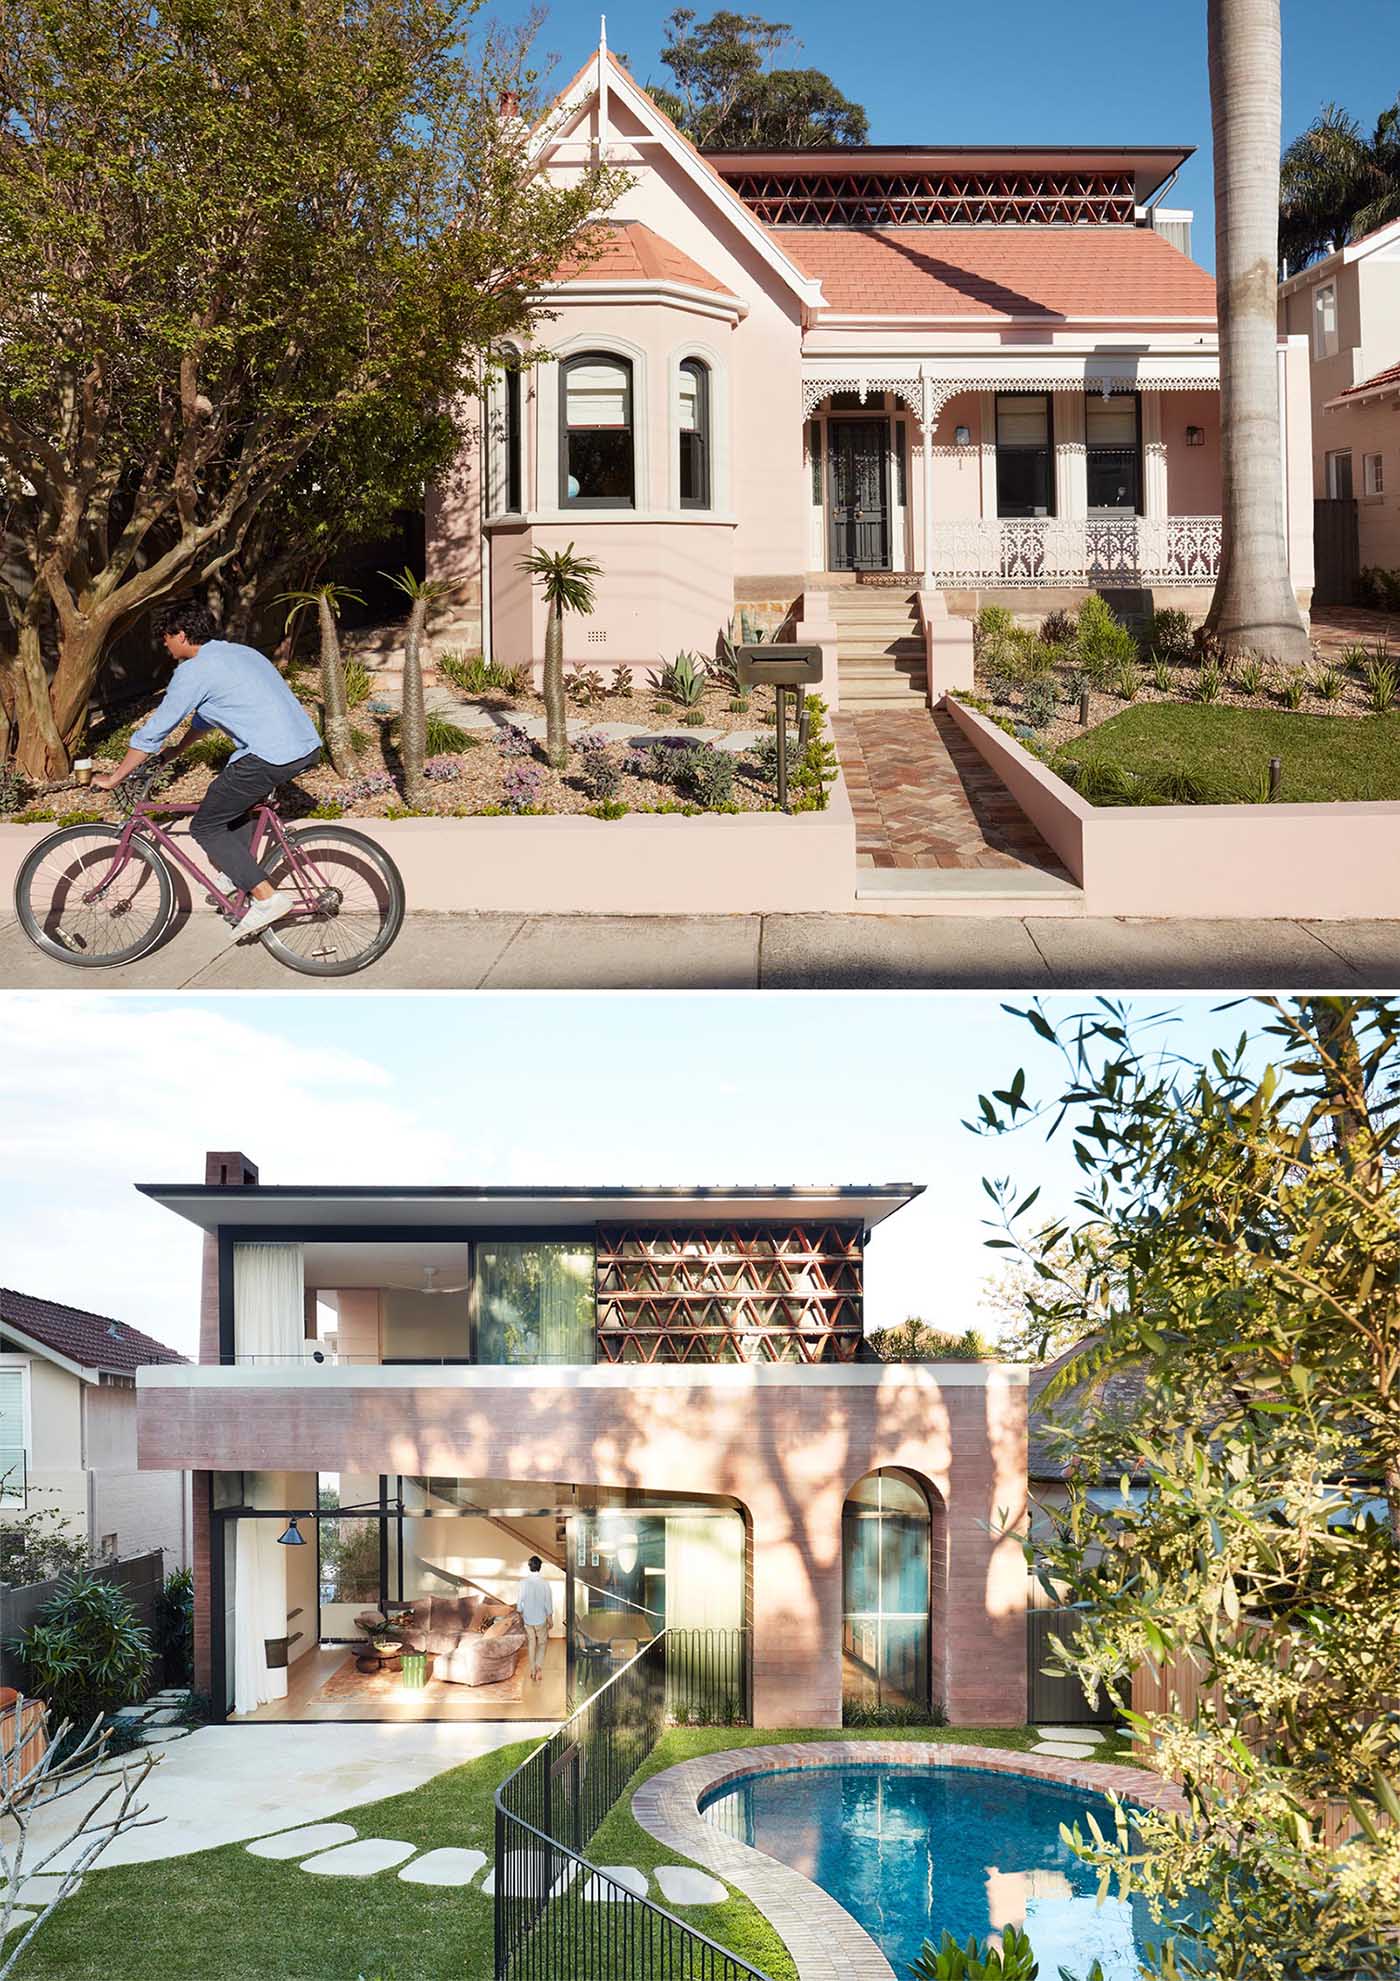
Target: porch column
(928, 415)
(1154, 457)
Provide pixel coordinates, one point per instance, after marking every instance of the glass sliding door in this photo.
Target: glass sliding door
(885, 1560)
(535, 1302)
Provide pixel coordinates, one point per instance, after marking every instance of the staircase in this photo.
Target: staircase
(879, 647)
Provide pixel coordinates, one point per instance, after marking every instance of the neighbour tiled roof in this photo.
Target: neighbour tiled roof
(628, 251)
(94, 1341)
(1065, 272)
(1114, 1395)
(1390, 376)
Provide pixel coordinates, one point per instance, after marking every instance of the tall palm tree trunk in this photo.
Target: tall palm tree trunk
(556, 724)
(1254, 608)
(413, 720)
(335, 715)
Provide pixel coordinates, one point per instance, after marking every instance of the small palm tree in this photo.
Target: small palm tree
(335, 713)
(1336, 183)
(422, 594)
(568, 587)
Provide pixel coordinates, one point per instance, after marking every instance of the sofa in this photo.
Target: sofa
(472, 1639)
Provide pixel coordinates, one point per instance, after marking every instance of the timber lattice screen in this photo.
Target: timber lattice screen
(936, 198)
(730, 1293)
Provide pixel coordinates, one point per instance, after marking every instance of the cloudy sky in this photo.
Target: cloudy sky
(100, 1092)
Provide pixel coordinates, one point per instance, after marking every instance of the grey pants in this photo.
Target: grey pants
(537, 1636)
(222, 825)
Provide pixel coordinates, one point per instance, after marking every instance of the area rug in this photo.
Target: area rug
(386, 1688)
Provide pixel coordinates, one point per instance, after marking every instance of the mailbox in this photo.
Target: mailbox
(766, 665)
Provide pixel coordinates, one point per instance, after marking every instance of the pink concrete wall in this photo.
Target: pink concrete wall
(787, 1451)
(1193, 473)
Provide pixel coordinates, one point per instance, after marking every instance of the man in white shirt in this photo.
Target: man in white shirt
(535, 1603)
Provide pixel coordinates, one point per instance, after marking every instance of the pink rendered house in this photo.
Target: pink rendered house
(803, 388)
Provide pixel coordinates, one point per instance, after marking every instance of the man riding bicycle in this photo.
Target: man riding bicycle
(222, 685)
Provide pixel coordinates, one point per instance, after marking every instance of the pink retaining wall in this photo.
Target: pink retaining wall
(644, 864)
(1246, 862)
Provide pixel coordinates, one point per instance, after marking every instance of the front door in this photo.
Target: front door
(859, 494)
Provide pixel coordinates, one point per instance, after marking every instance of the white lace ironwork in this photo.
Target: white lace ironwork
(927, 396)
(1093, 550)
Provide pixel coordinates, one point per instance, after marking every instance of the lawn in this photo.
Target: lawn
(1228, 749)
(225, 1913)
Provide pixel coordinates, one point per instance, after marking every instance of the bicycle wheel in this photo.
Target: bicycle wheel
(359, 902)
(65, 909)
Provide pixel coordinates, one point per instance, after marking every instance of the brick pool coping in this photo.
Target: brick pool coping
(825, 1942)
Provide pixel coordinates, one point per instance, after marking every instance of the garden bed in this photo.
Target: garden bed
(1225, 753)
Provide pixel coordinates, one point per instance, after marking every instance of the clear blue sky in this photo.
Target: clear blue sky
(1037, 71)
(99, 1092)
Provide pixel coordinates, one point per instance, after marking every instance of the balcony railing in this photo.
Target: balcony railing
(1085, 550)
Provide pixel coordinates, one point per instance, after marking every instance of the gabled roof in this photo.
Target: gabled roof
(1067, 273)
(1379, 385)
(73, 1335)
(629, 251)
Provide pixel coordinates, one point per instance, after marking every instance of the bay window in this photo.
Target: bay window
(596, 454)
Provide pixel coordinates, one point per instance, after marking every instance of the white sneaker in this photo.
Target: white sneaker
(262, 914)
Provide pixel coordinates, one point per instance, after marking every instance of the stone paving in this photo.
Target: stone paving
(923, 798)
(825, 1942)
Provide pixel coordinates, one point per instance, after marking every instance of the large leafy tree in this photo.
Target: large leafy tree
(235, 241)
(1253, 609)
(1236, 1239)
(727, 96)
(1337, 183)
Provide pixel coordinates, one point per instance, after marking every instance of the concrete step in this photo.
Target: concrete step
(882, 695)
(893, 649)
(1006, 884)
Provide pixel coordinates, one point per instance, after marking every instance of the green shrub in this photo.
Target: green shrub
(447, 739)
(1038, 704)
(81, 818)
(14, 789)
(1250, 675)
(682, 680)
(1170, 634)
(467, 672)
(1380, 589)
(1293, 687)
(36, 815)
(329, 808)
(87, 1653)
(359, 684)
(1163, 680)
(210, 747)
(1014, 1960)
(1328, 684)
(705, 774)
(1210, 681)
(1101, 640)
(1000, 683)
(1039, 662)
(1057, 629)
(817, 767)
(992, 623)
(870, 1712)
(584, 685)
(175, 1627)
(610, 808)
(1382, 686)
(1127, 682)
(114, 745)
(621, 683)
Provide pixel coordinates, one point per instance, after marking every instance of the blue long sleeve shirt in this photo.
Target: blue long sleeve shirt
(237, 689)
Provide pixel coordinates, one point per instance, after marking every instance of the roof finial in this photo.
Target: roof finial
(602, 34)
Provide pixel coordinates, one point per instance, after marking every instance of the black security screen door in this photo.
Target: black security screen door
(858, 454)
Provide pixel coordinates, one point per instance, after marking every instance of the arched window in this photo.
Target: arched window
(693, 425)
(885, 1556)
(596, 459)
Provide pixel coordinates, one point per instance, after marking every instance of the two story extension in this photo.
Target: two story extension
(662, 1393)
(804, 386)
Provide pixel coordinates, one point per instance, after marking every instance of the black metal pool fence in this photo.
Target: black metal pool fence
(558, 1917)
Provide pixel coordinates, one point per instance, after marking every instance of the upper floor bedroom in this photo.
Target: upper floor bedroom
(381, 1277)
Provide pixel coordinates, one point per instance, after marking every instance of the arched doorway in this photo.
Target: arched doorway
(887, 1587)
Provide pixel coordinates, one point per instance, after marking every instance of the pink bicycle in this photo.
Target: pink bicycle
(99, 895)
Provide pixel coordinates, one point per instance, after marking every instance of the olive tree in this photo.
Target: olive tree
(230, 237)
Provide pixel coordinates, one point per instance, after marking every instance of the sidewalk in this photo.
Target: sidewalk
(773, 952)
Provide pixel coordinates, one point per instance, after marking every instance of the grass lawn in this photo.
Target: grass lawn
(223, 1915)
(1323, 756)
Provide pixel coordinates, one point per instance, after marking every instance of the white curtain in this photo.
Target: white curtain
(704, 1572)
(267, 1302)
(260, 1611)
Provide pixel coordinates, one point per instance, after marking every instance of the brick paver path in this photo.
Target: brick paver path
(922, 797)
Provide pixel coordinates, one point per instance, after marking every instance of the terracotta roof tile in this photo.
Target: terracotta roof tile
(631, 252)
(94, 1341)
(1066, 272)
(1390, 376)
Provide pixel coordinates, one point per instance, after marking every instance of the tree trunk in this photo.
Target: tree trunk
(42, 753)
(413, 719)
(335, 716)
(556, 723)
(1254, 609)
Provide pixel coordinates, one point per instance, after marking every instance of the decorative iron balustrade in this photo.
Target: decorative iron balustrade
(1093, 550)
(731, 1293)
(557, 1916)
(785, 198)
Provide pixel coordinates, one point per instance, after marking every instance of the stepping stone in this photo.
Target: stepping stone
(20, 1918)
(603, 1891)
(38, 1891)
(163, 1716)
(174, 1695)
(680, 1885)
(1089, 1736)
(1065, 1751)
(444, 1867)
(131, 1715)
(162, 1735)
(301, 1843)
(360, 1860)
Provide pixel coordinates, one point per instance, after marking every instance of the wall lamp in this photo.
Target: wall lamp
(1195, 436)
(962, 436)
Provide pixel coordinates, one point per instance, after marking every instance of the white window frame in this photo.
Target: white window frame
(1373, 474)
(22, 1363)
(718, 505)
(496, 450)
(1333, 455)
(1325, 336)
(548, 384)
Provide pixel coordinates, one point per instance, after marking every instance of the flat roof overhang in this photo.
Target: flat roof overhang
(1151, 165)
(413, 1207)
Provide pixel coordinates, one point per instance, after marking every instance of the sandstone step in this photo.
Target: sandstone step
(880, 649)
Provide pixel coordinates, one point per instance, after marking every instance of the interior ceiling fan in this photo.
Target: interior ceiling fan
(430, 1284)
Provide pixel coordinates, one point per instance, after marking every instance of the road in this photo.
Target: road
(774, 952)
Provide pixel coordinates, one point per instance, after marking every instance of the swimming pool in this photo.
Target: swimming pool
(909, 1851)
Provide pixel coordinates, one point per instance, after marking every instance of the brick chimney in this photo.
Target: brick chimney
(222, 1167)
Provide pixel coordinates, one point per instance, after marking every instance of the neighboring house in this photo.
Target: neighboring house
(1347, 306)
(68, 1429)
(1115, 1396)
(660, 1391)
(986, 371)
